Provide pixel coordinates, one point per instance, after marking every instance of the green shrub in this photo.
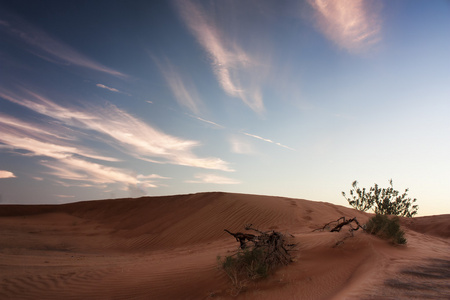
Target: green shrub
(246, 264)
(386, 201)
(386, 228)
(257, 257)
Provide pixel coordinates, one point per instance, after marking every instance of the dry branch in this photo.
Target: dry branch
(275, 245)
(242, 237)
(339, 223)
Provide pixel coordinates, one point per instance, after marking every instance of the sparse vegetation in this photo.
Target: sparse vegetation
(245, 265)
(379, 225)
(257, 256)
(386, 228)
(385, 201)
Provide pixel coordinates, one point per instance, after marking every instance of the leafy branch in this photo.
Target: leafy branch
(385, 201)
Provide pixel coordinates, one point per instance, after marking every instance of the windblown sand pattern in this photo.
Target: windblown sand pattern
(166, 248)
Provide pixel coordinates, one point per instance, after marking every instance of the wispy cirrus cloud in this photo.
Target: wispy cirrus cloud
(267, 140)
(150, 180)
(129, 134)
(41, 140)
(212, 178)
(66, 165)
(231, 64)
(152, 176)
(239, 146)
(214, 124)
(6, 174)
(352, 24)
(38, 147)
(41, 44)
(65, 196)
(74, 168)
(182, 89)
(66, 161)
(107, 88)
(41, 104)
(32, 129)
(111, 89)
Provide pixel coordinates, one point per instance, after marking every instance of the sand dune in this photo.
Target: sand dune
(166, 248)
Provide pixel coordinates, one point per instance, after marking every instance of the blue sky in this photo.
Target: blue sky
(102, 99)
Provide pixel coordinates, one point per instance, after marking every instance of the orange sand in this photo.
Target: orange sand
(166, 248)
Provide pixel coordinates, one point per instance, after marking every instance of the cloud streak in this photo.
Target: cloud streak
(184, 92)
(230, 63)
(239, 146)
(352, 24)
(6, 174)
(41, 44)
(42, 148)
(212, 178)
(111, 89)
(214, 124)
(107, 87)
(267, 140)
(65, 196)
(131, 135)
(66, 162)
(73, 168)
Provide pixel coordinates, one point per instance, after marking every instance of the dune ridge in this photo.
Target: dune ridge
(166, 247)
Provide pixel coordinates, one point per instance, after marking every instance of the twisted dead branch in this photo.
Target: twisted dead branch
(336, 226)
(276, 246)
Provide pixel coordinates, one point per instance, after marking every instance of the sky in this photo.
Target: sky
(113, 99)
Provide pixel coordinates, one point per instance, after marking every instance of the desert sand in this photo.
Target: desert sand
(167, 248)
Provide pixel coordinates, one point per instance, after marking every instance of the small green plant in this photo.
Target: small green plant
(244, 266)
(386, 228)
(257, 257)
(247, 263)
(386, 201)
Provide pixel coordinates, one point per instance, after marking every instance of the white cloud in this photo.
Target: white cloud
(81, 184)
(152, 176)
(268, 141)
(212, 178)
(352, 24)
(148, 143)
(208, 122)
(150, 181)
(35, 140)
(46, 47)
(65, 196)
(240, 146)
(107, 88)
(30, 128)
(43, 105)
(72, 168)
(111, 89)
(70, 160)
(6, 174)
(182, 89)
(65, 163)
(232, 66)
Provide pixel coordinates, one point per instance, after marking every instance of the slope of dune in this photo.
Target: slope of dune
(166, 248)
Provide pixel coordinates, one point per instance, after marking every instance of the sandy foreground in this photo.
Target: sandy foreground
(167, 248)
